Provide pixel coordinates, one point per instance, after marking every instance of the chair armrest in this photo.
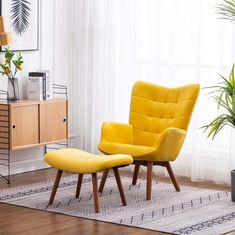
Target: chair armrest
(117, 133)
(169, 144)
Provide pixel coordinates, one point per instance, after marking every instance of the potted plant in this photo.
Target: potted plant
(225, 90)
(8, 70)
(224, 96)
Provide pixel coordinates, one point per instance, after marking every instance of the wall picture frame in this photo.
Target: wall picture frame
(22, 20)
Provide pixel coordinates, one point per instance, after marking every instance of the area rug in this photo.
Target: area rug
(191, 211)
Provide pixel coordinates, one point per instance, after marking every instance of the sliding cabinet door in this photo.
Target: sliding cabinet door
(24, 126)
(53, 121)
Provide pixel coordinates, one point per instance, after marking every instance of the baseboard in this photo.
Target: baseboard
(25, 166)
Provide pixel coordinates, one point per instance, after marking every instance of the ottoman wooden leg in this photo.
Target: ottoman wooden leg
(95, 192)
(80, 176)
(55, 186)
(103, 180)
(119, 184)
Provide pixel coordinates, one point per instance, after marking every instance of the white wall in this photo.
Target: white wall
(32, 159)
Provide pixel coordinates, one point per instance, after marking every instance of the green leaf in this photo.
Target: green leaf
(226, 10)
(225, 98)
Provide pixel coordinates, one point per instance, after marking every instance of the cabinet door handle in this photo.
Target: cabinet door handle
(64, 120)
(14, 126)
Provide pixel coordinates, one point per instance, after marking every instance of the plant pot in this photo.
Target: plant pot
(233, 185)
(13, 90)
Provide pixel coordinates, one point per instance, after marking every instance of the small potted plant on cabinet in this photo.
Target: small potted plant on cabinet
(8, 70)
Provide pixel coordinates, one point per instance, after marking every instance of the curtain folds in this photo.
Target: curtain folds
(115, 43)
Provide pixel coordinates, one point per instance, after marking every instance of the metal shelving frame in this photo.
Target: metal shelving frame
(59, 91)
(5, 153)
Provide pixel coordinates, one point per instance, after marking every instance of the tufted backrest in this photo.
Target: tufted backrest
(155, 108)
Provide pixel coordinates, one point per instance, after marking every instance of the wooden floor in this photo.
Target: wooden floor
(18, 220)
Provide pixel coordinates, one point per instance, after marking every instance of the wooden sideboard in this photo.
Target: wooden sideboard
(30, 123)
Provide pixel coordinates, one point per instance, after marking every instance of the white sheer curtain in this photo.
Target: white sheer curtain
(116, 42)
(94, 69)
(180, 42)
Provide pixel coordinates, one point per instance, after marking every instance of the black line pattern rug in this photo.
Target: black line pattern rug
(191, 211)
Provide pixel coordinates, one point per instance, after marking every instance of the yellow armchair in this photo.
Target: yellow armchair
(158, 122)
(117, 133)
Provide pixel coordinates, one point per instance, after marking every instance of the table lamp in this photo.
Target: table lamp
(5, 37)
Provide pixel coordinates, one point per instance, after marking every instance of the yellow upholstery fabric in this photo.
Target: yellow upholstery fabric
(81, 162)
(121, 133)
(133, 150)
(158, 122)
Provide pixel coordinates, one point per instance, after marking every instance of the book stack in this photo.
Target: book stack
(39, 85)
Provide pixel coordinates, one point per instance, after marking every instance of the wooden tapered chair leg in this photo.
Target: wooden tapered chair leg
(119, 184)
(79, 184)
(136, 172)
(173, 179)
(149, 180)
(55, 186)
(103, 180)
(95, 192)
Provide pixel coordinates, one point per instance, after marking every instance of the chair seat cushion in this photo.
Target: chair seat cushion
(133, 150)
(81, 162)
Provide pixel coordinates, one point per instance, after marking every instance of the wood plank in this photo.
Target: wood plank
(4, 124)
(4, 146)
(4, 140)
(4, 112)
(39, 144)
(24, 125)
(34, 102)
(4, 129)
(4, 107)
(53, 121)
(4, 119)
(4, 134)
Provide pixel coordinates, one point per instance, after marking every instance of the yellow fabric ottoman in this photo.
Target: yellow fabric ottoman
(81, 162)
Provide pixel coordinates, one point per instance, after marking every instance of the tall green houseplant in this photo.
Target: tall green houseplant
(224, 92)
(224, 96)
